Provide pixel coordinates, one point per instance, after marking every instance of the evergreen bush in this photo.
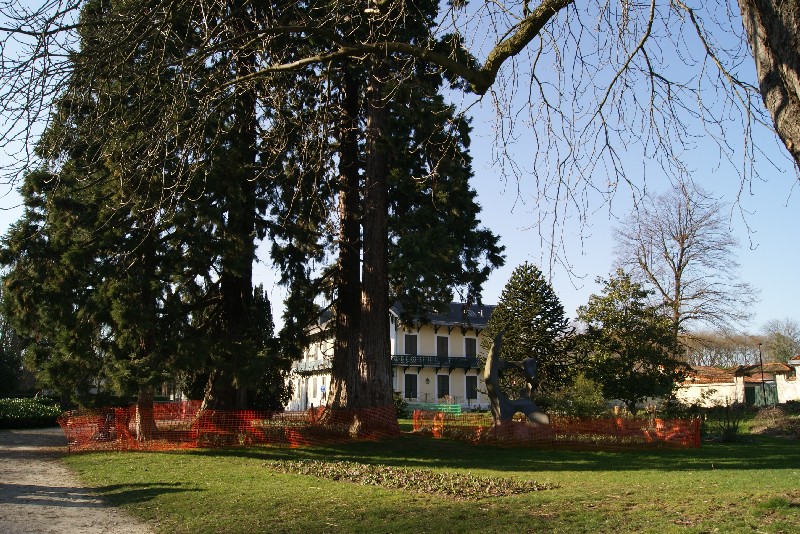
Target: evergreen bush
(28, 413)
(400, 406)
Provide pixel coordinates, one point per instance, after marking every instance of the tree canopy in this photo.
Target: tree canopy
(12, 373)
(368, 152)
(112, 283)
(628, 346)
(720, 349)
(623, 91)
(658, 69)
(782, 339)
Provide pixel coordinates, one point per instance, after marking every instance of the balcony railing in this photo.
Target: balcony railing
(408, 360)
(451, 362)
(313, 365)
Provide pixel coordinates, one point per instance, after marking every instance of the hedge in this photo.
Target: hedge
(28, 413)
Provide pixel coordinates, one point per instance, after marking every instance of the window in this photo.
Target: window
(472, 387)
(442, 385)
(411, 386)
(442, 346)
(411, 344)
(470, 347)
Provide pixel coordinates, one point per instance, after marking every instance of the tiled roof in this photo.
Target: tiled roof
(756, 378)
(769, 368)
(701, 374)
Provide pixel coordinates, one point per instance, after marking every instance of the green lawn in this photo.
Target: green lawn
(749, 486)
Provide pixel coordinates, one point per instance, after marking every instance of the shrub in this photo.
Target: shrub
(774, 420)
(400, 406)
(675, 409)
(584, 398)
(28, 413)
(792, 407)
(726, 420)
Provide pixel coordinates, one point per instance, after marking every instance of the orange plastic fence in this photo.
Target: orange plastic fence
(575, 432)
(183, 425)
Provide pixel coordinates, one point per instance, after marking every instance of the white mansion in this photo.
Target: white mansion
(432, 362)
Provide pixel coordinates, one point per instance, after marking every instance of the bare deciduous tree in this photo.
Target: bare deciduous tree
(680, 244)
(782, 339)
(720, 349)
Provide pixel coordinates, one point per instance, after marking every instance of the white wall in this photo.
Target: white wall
(789, 385)
(707, 395)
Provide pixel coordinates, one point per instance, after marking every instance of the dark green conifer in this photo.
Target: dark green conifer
(532, 317)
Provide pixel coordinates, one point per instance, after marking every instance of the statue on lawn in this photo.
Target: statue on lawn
(504, 408)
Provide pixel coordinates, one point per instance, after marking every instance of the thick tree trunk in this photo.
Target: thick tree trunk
(348, 303)
(773, 29)
(374, 366)
(144, 421)
(145, 424)
(236, 279)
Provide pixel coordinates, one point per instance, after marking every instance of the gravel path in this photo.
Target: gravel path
(39, 495)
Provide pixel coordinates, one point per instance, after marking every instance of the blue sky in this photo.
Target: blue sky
(766, 227)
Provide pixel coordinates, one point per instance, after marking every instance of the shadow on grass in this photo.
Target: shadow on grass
(418, 451)
(133, 493)
(75, 497)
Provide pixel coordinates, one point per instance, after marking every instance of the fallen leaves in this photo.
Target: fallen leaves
(454, 485)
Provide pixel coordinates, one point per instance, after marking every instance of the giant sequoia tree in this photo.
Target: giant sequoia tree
(403, 203)
(116, 280)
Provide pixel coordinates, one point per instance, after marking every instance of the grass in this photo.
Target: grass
(752, 485)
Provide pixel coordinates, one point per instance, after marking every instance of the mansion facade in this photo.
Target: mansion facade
(436, 361)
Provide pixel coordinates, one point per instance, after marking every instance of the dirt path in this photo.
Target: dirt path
(39, 495)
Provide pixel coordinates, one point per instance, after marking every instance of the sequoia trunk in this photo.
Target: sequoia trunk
(344, 375)
(144, 420)
(374, 364)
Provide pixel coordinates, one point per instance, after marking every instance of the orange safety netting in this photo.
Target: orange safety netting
(576, 432)
(183, 425)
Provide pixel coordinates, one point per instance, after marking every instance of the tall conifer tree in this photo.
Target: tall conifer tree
(532, 316)
(169, 280)
(406, 218)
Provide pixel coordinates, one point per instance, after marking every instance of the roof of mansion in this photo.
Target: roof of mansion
(457, 314)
